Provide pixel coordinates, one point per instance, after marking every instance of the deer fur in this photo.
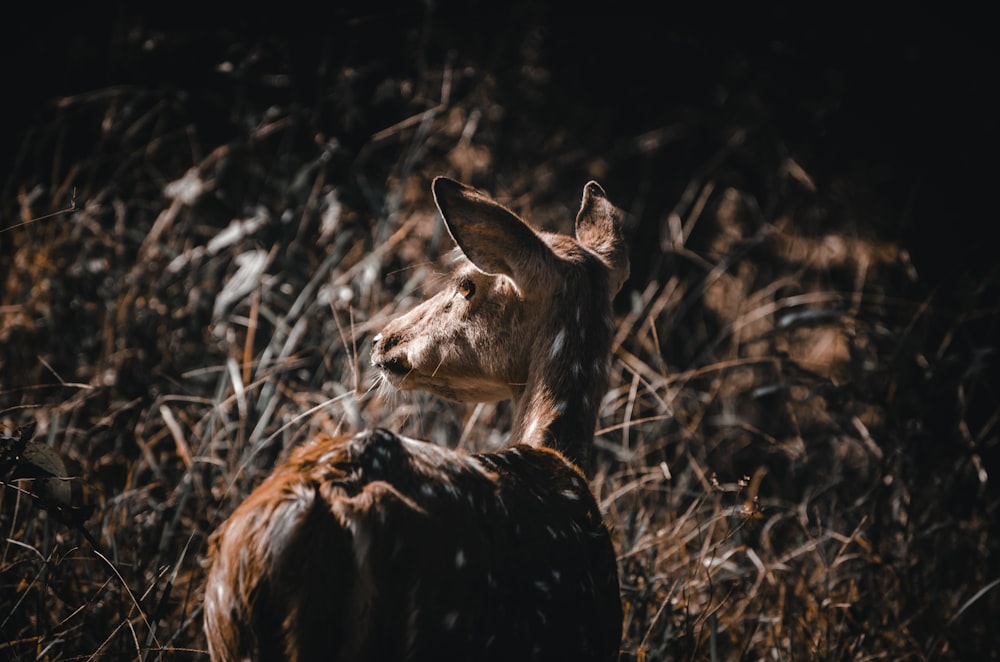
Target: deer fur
(380, 547)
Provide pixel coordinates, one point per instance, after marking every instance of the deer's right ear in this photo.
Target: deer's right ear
(493, 237)
(598, 227)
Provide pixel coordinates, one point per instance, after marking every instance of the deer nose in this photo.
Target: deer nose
(382, 343)
(381, 346)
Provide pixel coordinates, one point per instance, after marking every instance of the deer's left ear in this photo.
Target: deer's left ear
(598, 227)
(494, 238)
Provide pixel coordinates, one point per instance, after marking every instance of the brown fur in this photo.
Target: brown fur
(378, 547)
(346, 553)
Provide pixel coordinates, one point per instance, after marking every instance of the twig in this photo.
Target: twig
(67, 210)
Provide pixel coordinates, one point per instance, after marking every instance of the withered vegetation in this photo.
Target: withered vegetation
(799, 451)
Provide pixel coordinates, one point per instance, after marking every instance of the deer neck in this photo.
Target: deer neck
(557, 406)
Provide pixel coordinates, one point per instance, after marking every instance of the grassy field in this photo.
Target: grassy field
(799, 451)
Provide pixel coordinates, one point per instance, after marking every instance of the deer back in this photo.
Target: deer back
(378, 547)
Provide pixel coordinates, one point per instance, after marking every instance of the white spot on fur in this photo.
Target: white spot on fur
(558, 342)
(530, 432)
(220, 593)
(450, 619)
(460, 558)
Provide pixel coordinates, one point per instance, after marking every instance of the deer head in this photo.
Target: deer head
(525, 315)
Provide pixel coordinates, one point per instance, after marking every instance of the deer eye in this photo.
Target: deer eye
(466, 288)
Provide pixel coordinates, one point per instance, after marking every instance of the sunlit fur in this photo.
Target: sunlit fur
(554, 294)
(379, 547)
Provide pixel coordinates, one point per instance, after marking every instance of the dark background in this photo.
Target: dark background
(895, 111)
(890, 119)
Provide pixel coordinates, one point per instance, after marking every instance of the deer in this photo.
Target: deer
(377, 546)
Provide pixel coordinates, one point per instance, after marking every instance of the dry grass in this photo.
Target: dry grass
(795, 449)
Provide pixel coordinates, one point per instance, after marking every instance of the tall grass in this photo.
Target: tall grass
(795, 450)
